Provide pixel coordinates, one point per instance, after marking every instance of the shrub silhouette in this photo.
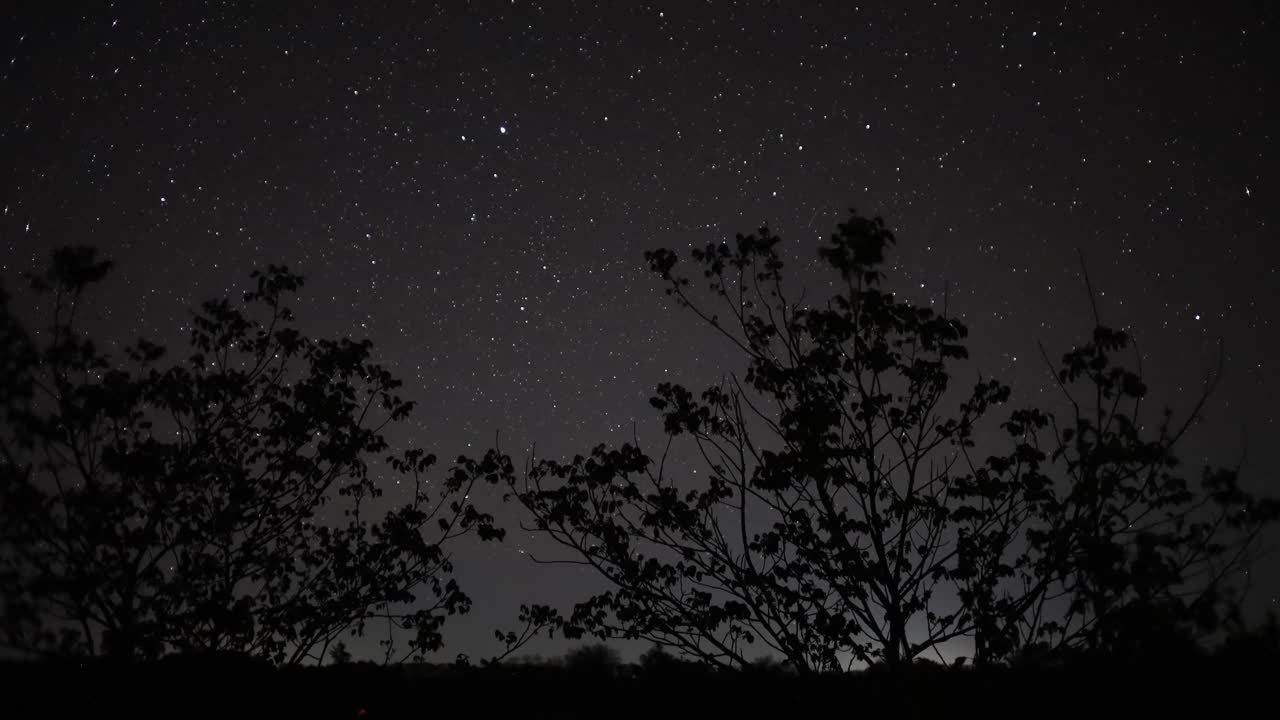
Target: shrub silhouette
(595, 659)
(214, 501)
(1256, 648)
(846, 513)
(845, 502)
(339, 654)
(656, 657)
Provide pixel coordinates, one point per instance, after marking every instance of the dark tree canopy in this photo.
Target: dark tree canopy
(215, 501)
(848, 511)
(855, 501)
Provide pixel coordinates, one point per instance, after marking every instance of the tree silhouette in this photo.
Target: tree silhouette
(595, 658)
(844, 515)
(218, 501)
(1140, 560)
(339, 654)
(656, 658)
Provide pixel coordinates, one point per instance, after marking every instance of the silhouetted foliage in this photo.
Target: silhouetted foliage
(845, 514)
(656, 657)
(532, 661)
(1253, 648)
(535, 619)
(214, 501)
(768, 664)
(219, 663)
(594, 658)
(339, 654)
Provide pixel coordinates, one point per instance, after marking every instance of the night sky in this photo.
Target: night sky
(472, 185)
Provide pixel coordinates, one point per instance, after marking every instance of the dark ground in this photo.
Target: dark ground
(1217, 688)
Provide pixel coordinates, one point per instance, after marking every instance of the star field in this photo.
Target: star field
(472, 186)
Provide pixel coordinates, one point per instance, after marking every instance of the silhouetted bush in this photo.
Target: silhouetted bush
(339, 654)
(842, 499)
(153, 504)
(858, 533)
(594, 659)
